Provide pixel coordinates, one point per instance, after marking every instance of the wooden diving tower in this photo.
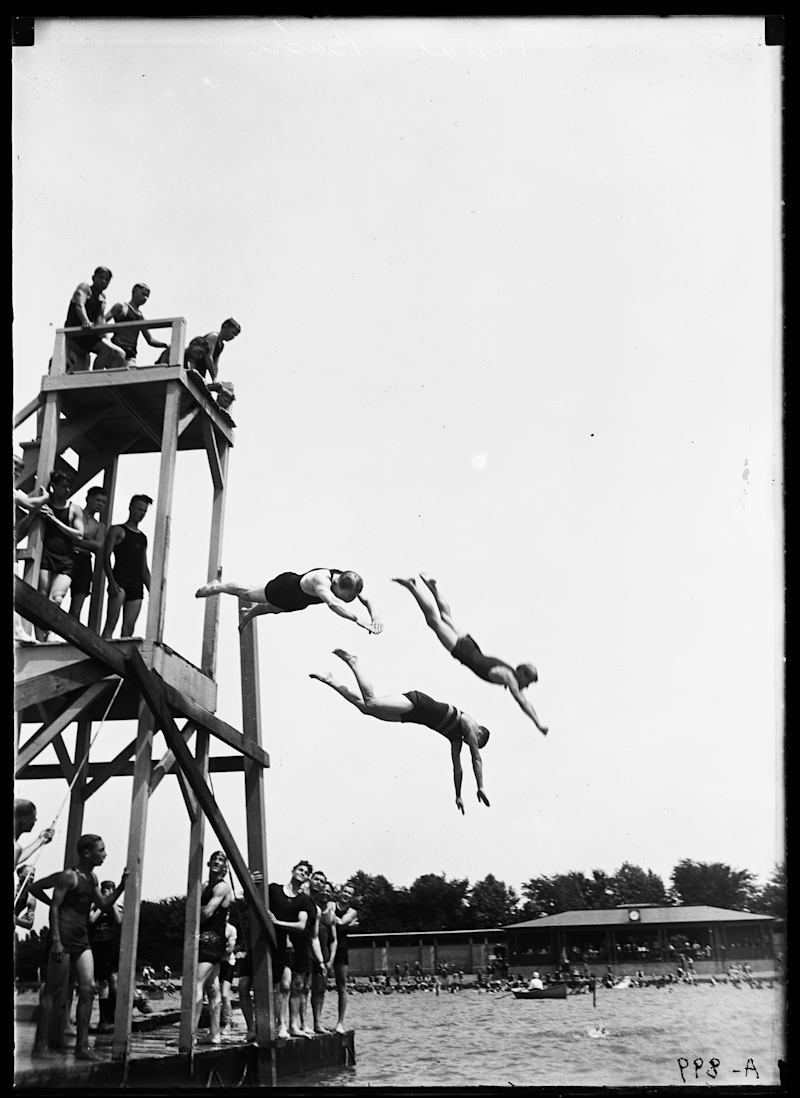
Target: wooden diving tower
(100, 416)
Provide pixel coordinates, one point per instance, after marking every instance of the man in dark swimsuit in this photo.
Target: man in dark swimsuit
(63, 528)
(86, 309)
(463, 648)
(215, 900)
(94, 534)
(320, 893)
(127, 338)
(295, 918)
(417, 708)
(129, 575)
(74, 892)
(293, 591)
(105, 931)
(346, 919)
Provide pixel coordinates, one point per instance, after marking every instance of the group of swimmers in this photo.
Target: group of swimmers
(291, 592)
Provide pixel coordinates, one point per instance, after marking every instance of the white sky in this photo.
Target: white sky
(510, 305)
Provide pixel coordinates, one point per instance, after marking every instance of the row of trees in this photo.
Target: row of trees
(434, 903)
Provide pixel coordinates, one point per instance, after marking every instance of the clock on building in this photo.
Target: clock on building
(634, 915)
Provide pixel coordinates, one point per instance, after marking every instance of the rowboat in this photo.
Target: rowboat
(555, 991)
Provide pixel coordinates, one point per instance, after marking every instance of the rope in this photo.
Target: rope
(78, 772)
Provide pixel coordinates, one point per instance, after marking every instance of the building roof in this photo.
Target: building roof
(618, 916)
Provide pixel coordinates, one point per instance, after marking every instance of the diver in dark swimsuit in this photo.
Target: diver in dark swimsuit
(463, 648)
(293, 591)
(417, 708)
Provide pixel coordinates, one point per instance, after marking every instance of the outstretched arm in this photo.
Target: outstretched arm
(372, 610)
(506, 677)
(21, 854)
(458, 774)
(473, 731)
(322, 589)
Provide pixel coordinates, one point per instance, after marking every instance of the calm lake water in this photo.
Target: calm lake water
(633, 1037)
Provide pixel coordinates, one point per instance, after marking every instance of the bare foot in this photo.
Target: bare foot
(245, 617)
(328, 679)
(207, 590)
(409, 583)
(45, 1053)
(321, 1029)
(429, 581)
(340, 652)
(85, 1054)
(340, 1028)
(209, 1040)
(296, 1033)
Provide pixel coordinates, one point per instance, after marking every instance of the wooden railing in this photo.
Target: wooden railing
(58, 363)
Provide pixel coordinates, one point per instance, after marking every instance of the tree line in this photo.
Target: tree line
(433, 902)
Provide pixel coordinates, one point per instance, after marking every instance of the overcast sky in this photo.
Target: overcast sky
(510, 304)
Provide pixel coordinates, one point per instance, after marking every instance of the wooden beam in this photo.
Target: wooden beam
(47, 733)
(153, 694)
(156, 603)
(255, 809)
(48, 443)
(27, 411)
(212, 453)
(91, 464)
(40, 611)
(208, 661)
(77, 428)
(167, 762)
(218, 764)
(68, 767)
(55, 684)
(100, 773)
(110, 379)
(142, 417)
(190, 417)
(189, 798)
(194, 893)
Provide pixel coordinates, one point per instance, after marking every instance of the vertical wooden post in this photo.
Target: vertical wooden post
(208, 663)
(48, 451)
(166, 482)
(76, 803)
(255, 808)
(99, 576)
(133, 889)
(194, 887)
(58, 363)
(177, 340)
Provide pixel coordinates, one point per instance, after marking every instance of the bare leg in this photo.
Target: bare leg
(115, 604)
(296, 995)
(215, 1007)
(76, 605)
(282, 999)
(210, 590)
(130, 614)
(391, 707)
(340, 971)
(50, 996)
(204, 970)
(247, 613)
(248, 1009)
(84, 966)
(45, 576)
(444, 630)
(319, 985)
(444, 606)
(345, 691)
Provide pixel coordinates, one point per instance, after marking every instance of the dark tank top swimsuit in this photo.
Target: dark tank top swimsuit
(95, 307)
(58, 554)
(441, 717)
(285, 591)
(73, 916)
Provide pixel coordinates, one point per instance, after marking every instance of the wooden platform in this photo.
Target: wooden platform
(154, 1062)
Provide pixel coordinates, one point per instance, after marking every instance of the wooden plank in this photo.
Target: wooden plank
(77, 428)
(166, 482)
(221, 420)
(27, 411)
(91, 464)
(68, 767)
(137, 833)
(177, 342)
(76, 806)
(218, 764)
(47, 733)
(153, 693)
(208, 660)
(194, 887)
(140, 325)
(48, 443)
(167, 763)
(212, 453)
(255, 809)
(189, 798)
(58, 363)
(39, 610)
(100, 773)
(124, 378)
(55, 684)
